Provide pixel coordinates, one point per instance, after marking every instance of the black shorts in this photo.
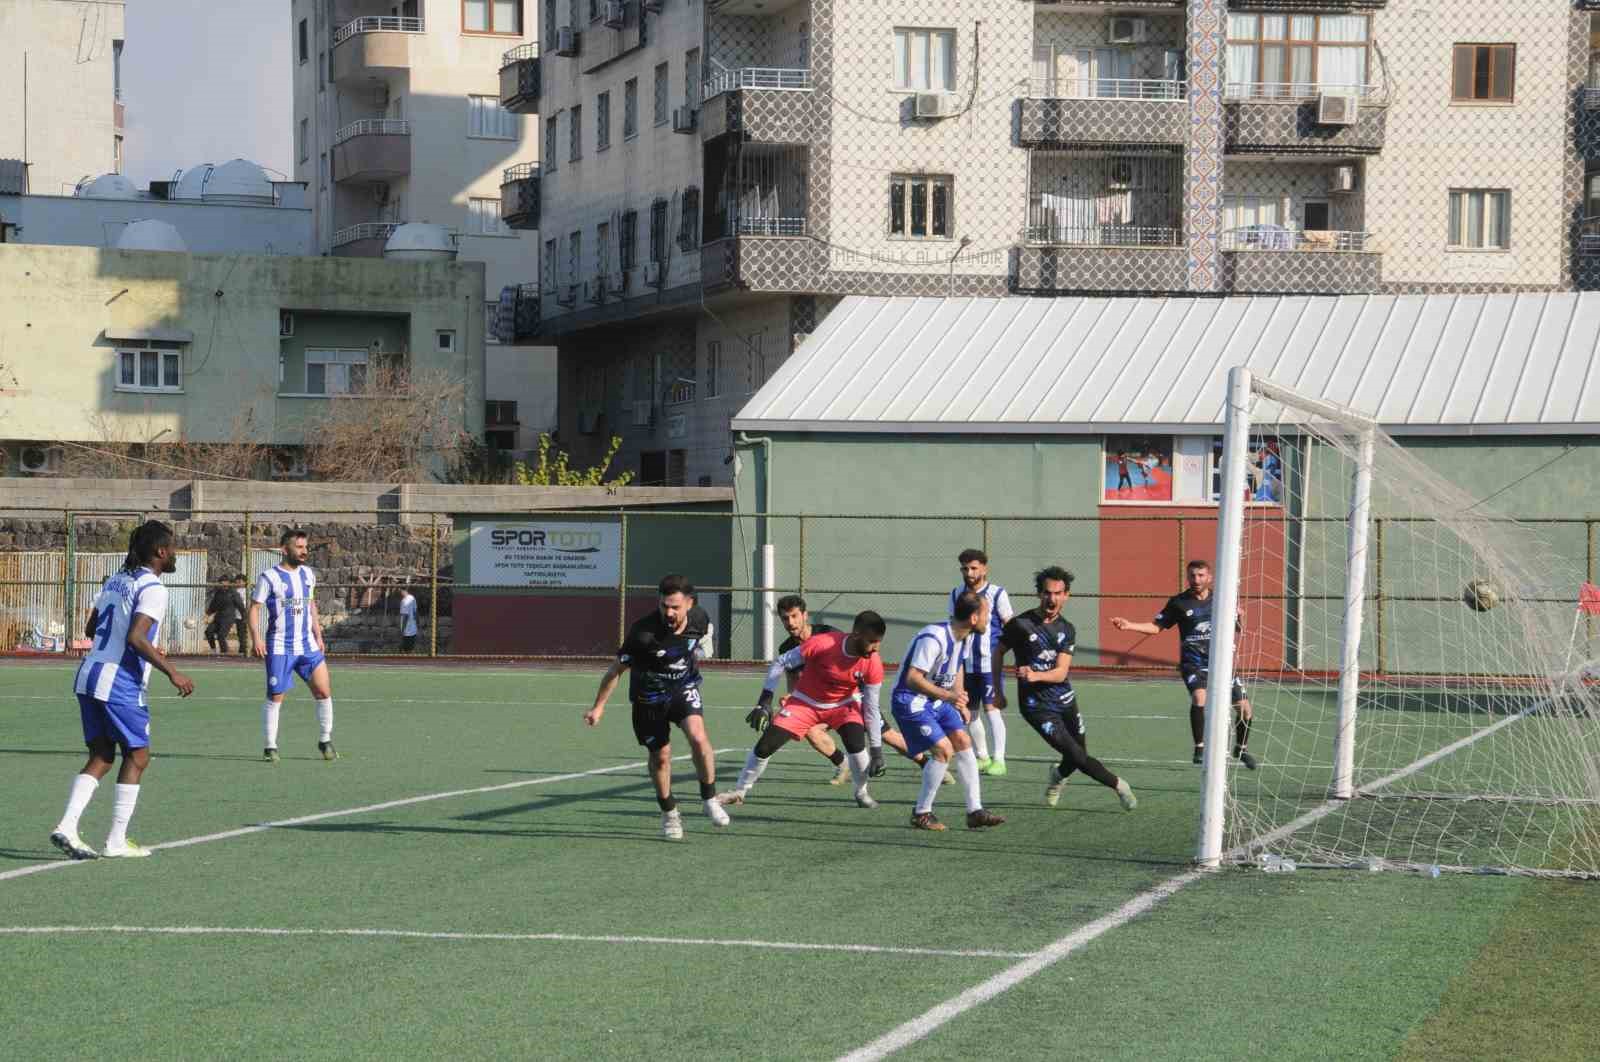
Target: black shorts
(652, 722)
(1049, 720)
(408, 642)
(1196, 680)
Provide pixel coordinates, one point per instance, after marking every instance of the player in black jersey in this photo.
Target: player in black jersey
(1042, 642)
(661, 655)
(1190, 612)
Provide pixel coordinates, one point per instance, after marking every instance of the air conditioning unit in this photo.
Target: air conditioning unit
(652, 5)
(616, 14)
(1338, 108)
(285, 323)
(684, 119)
(643, 413)
(568, 296)
(566, 41)
(595, 290)
(652, 274)
(617, 283)
(937, 104)
(588, 421)
(1126, 29)
(1344, 179)
(39, 460)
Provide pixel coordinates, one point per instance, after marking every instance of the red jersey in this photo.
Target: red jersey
(831, 677)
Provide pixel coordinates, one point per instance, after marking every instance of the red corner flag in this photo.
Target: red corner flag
(1589, 599)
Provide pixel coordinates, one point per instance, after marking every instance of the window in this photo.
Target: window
(919, 206)
(322, 71)
(154, 366)
(336, 372)
(713, 368)
(691, 77)
(689, 223)
(1484, 73)
(752, 363)
(116, 69)
(630, 108)
(925, 60)
(661, 94)
(602, 121)
(574, 256)
(575, 139)
(1295, 55)
(444, 340)
(644, 26)
(1248, 211)
(483, 216)
(303, 41)
(658, 231)
(548, 159)
(116, 154)
(1480, 219)
(487, 119)
(491, 321)
(602, 248)
(304, 139)
(628, 240)
(491, 16)
(547, 275)
(499, 413)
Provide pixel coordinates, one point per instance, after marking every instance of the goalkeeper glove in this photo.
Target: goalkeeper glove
(876, 768)
(759, 717)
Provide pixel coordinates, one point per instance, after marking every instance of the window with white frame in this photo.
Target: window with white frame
(152, 367)
(1480, 219)
(491, 16)
(444, 339)
(602, 121)
(925, 60)
(661, 93)
(548, 159)
(630, 108)
(488, 120)
(484, 218)
(919, 206)
(336, 372)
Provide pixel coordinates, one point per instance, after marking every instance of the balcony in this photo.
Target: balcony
(762, 104)
(1103, 112)
(1589, 237)
(762, 253)
(519, 196)
(1274, 260)
(373, 47)
(519, 80)
(1588, 120)
(372, 149)
(1100, 258)
(364, 240)
(1281, 118)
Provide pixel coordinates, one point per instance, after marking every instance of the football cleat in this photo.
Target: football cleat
(996, 768)
(1125, 794)
(715, 812)
(1199, 753)
(1245, 758)
(841, 774)
(924, 820)
(1052, 791)
(864, 799)
(328, 751)
(732, 796)
(126, 850)
(977, 820)
(984, 762)
(672, 825)
(269, 755)
(876, 768)
(72, 845)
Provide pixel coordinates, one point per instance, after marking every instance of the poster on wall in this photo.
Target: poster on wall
(1138, 468)
(540, 553)
(1263, 470)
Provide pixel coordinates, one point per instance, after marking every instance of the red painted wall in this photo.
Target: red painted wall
(541, 624)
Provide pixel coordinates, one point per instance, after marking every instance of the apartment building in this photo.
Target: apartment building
(717, 173)
(61, 105)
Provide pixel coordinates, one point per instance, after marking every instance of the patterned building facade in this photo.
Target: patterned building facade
(717, 172)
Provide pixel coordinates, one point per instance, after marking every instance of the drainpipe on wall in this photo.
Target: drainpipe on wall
(766, 551)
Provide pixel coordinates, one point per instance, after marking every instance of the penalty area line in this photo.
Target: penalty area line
(514, 938)
(301, 820)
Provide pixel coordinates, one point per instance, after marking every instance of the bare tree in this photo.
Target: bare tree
(404, 427)
(139, 449)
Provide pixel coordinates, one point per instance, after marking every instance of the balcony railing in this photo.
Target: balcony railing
(1278, 238)
(366, 230)
(1103, 236)
(745, 226)
(680, 393)
(1589, 236)
(373, 127)
(1105, 88)
(377, 24)
(756, 77)
(1591, 96)
(1294, 91)
(519, 53)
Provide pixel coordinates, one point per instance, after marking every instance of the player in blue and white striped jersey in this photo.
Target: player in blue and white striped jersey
(123, 625)
(986, 688)
(930, 704)
(292, 643)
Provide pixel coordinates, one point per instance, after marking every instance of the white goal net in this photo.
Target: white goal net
(1417, 662)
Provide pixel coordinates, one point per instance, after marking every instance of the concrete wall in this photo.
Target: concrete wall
(70, 121)
(526, 376)
(58, 303)
(205, 228)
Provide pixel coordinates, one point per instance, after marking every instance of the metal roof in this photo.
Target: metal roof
(1440, 364)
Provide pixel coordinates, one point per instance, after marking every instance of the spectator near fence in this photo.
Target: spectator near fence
(408, 621)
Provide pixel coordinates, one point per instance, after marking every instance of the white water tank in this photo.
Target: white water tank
(190, 183)
(106, 186)
(238, 181)
(150, 235)
(419, 241)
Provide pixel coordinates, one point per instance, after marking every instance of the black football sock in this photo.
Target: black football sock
(1197, 724)
(837, 759)
(667, 803)
(708, 790)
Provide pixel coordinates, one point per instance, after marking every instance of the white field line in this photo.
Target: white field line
(245, 831)
(920, 1027)
(564, 938)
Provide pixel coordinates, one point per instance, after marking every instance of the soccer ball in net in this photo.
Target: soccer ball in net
(1480, 595)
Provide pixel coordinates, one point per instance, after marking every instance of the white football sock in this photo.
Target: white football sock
(980, 741)
(269, 724)
(932, 778)
(967, 773)
(83, 787)
(121, 814)
(325, 718)
(753, 766)
(997, 730)
(858, 769)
